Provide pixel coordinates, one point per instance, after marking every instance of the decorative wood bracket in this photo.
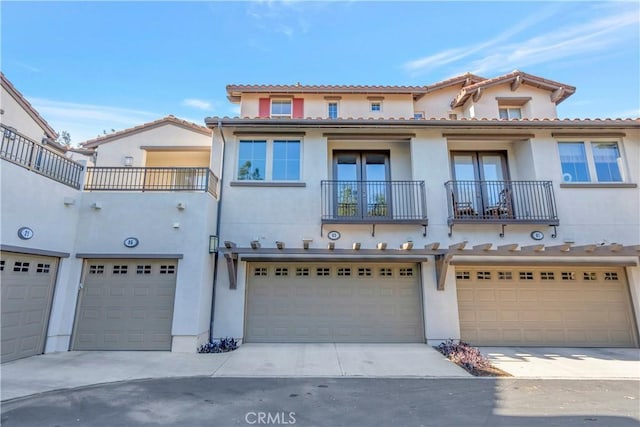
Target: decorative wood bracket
(232, 269)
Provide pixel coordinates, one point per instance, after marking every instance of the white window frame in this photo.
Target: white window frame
(268, 174)
(372, 103)
(508, 108)
(337, 109)
(591, 163)
(281, 100)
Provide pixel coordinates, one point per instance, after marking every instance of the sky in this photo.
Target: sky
(90, 67)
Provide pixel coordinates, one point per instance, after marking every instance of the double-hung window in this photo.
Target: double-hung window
(269, 160)
(252, 160)
(332, 110)
(590, 161)
(281, 108)
(286, 160)
(510, 113)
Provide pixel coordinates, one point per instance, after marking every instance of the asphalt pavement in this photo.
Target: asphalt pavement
(218, 401)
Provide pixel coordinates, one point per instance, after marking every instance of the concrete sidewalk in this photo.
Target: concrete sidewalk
(566, 363)
(55, 371)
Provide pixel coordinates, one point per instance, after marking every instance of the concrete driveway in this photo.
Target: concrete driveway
(66, 370)
(82, 368)
(567, 363)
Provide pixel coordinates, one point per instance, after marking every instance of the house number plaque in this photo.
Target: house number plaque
(131, 242)
(333, 235)
(25, 233)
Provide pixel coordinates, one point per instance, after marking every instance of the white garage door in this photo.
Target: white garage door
(27, 283)
(554, 306)
(328, 302)
(126, 305)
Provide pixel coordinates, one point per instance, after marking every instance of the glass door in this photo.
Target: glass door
(481, 180)
(362, 187)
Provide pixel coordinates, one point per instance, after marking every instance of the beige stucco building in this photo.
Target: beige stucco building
(464, 209)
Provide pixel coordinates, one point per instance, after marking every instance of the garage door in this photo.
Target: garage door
(555, 306)
(27, 283)
(126, 305)
(333, 303)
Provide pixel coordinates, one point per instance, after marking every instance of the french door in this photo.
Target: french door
(362, 187)
(481, 182)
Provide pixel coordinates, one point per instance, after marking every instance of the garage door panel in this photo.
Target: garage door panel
(332, 303)
(552, 306)
(128, 306)
(27, 284)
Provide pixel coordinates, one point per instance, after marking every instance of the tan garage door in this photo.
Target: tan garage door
(333, 303)
(27, 283)
(555, 306)
(126, 305)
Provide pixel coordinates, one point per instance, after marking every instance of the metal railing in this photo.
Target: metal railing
(17, 148)
(504, 202)
(151, 179)
(373, 202)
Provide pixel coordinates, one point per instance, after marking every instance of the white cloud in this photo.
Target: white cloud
(197, 103)
(86, 121)
(503, 53)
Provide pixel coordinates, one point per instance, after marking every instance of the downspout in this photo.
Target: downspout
(218, 217)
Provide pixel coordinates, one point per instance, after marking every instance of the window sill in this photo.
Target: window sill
(599, 185)
(267, 184)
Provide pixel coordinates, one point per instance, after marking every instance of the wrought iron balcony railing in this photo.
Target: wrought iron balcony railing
(503, 202)
(17, 148)
(373, 202)
(151, 179)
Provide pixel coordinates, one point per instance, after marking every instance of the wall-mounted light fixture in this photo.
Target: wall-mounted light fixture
(255, 244)
(229, 244)
(69, 201)
(181, 206)
(213, 244)
(280, 245)
(176, 225)
(128, 161)
(305, 243)
(407, 245)
(382, 246)
(96, 205)
(356, 246)
(331, 246)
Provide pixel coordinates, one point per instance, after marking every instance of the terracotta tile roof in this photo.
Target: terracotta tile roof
(234, 90)
(145, 126)
(430, 122)
(46, 127)
(466, 80)
(529, 79)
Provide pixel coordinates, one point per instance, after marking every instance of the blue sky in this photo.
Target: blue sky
(93, 66)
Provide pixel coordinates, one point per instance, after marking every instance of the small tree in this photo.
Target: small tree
(64, 138)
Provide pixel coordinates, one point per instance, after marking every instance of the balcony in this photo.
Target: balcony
(501, 202)
(374, 202)
(151, 179)
(17, 148)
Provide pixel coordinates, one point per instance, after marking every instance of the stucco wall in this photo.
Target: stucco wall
(15, 116)
(151, 217)
(354, 106)
(112, 153)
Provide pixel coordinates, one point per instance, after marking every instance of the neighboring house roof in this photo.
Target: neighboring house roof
(26, 105)
(170, 119)
(560, 91)
(433, 122)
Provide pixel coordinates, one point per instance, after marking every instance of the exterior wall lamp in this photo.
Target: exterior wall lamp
(128, 161)
(213, 244)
